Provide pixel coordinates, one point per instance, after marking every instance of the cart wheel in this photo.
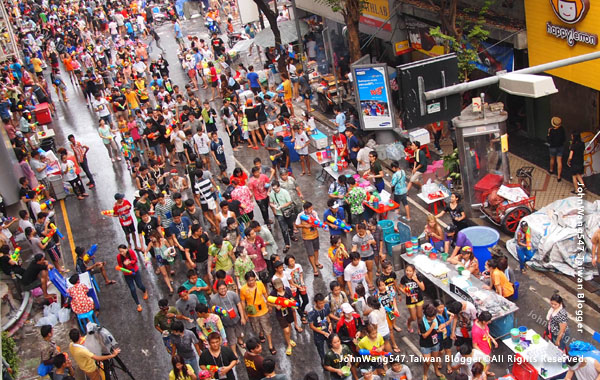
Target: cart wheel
(323, 104)
(512, 219)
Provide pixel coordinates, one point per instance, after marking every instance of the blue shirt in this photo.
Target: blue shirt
(353, 143)
(399, 180)
(178, 33)
(181, 230)
(340, 119)
(339, 215)
(129, 27)
(253, 79)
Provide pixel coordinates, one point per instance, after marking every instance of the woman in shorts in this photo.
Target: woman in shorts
(164, 254)
(285, 315)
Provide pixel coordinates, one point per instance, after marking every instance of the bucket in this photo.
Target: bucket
(387, 226)
(391, 241)
(523, 332)
(444, 256)
(536, 338)
(433, 256)
(319, 156)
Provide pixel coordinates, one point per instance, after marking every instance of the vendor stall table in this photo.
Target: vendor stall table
(336, 174)
(383, 209)
(501, 309)
(433, 201)
(323, 162)
(540, 355)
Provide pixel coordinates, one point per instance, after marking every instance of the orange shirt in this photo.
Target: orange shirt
(256, 297)
(499, 280)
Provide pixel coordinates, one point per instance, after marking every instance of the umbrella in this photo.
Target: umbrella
(242, 45)
(265, 37)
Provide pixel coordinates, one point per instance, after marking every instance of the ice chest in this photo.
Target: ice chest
(318, 139)
(42, 114)
(421, 135)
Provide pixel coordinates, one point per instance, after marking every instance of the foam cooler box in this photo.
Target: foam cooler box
(421, 135)
(42, 114)
(318, 139)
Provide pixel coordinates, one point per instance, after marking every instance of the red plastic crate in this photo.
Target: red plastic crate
(523, 370)
(42, 114)
(489, 182)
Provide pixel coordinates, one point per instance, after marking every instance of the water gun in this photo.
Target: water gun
(219, 194)
(169, 131)
(127, 271)
(363, 351)
(314, 222)
(219, 310)
(108, 212)
(109, 98)
(39, 189)
(212, 368)
(528, 238)
(339, 223)
(48, 237)
(53, 226)
(283, 302)
(391, 312)
(16, 255)
(153, 135)
(46, 204)
(90, 253)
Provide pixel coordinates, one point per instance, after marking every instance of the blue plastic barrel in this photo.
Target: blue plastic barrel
(387, 226)
(294, 157)
(391, 241)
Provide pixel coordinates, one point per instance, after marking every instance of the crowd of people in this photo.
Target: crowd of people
(189, 215)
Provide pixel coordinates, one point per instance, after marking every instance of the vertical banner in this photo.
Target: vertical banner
(373, 97)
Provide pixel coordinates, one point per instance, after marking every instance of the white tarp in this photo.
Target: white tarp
(556, 232)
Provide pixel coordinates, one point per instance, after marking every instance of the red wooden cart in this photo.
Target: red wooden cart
(504, 213)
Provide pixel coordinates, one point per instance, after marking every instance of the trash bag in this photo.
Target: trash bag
(48, 320)
(51, 309)
(64, 315)
(395, 151)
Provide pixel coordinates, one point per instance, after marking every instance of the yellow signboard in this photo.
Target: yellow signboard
(375, 13)
(402, 47)
(558, 29)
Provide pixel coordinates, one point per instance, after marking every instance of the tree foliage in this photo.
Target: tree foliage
(462, 35)
(351, 11)
(9, 353)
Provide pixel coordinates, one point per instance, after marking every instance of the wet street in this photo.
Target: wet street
(142, 348)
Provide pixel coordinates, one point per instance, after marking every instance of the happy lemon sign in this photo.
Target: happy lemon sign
(558, 29)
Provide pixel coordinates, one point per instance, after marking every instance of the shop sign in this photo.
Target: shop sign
(421, 40)
(461, 293)
(402, 47)
(560, 29)
(375, 13)
(372, 89)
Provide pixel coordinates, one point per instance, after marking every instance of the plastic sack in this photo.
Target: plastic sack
(51, 309)
(48, 320)
(64, 315)
(395, 151)
(429, 188)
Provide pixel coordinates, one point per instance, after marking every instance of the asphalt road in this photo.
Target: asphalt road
(143, 350)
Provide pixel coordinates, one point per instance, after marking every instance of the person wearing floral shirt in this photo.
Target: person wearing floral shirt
(257, 249)
(209, 323)
(355, 198)
(244, 196)
(81, 303)
(243, 264)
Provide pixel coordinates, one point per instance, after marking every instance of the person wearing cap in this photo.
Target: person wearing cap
(349, 327)
(524, 249)
(286, 316)
(467, 259)
(334, 210)
(455, 240)
(556, 140)
(122, 210)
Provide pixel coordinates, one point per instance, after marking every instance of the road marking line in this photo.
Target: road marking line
(68, 230)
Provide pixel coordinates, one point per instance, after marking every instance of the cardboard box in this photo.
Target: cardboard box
(421, 135)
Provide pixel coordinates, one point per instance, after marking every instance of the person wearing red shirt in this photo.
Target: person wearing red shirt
(339, 140)
(127, 259)
(259, 185)
(240, 176)
(349, 326)
(122, 210)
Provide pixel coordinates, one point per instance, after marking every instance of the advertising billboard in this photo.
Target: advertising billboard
(373, 97)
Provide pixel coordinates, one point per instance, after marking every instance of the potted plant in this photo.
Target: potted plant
(452, 167)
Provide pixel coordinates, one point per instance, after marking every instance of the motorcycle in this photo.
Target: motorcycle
(212, 26)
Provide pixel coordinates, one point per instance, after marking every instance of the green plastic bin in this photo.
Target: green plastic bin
(387, 227)
(391, 241)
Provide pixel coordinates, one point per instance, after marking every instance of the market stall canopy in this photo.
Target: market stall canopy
(265, 37)
(242, 45)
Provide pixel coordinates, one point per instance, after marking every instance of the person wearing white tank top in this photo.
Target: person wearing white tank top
(223, 216)
(583, 369)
